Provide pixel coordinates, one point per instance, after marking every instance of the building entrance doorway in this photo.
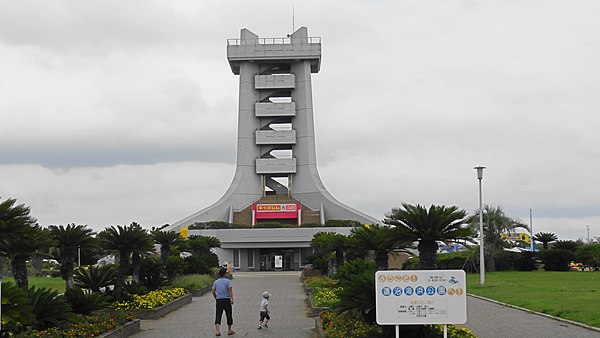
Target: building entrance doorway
(276, 259)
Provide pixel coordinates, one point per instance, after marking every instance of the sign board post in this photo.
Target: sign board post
(408, 297)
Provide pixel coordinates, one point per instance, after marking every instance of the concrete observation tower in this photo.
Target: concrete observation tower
(276, 177)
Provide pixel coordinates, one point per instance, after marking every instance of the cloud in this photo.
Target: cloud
(98, 99)
(151, 195)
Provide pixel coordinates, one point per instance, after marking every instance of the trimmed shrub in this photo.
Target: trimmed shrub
(457, 260)
(192, 282)
(342, 223)
(210, 225)
(527, 262)
(589, 256)
(506, 260)
(557, 259)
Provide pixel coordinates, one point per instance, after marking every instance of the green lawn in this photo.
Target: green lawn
(572, 295)
(56, 283)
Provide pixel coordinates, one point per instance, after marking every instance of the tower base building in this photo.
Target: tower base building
(276, 177)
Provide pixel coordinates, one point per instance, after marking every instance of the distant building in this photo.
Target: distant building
(276, 177)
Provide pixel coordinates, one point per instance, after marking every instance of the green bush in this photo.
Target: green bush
(469, 261)
(85, 301)
(347, 325)
(151, 273)
(192, 282)
(349, 270)
(465, 260)
(49, 308)
(320, 282)
(411, 264)
(319, 262)
(175, 267)
(458, 260)
(342, 223)
(94, 278)
(527, 262)
(80, 326)
(589, 255)
(557, 259)
(326, 297)
(506, 260)
(16, 308)
(210, 225)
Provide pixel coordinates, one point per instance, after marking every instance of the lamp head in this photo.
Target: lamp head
(479, 172)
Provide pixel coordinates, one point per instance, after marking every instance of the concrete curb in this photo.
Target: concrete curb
(201, 292)
(314, 311)
(124, 330)
(161, 311)
(589, 327)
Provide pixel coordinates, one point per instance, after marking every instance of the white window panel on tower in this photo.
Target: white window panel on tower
(275, 165)
(268, 109)
(275, 137)
(275, 81)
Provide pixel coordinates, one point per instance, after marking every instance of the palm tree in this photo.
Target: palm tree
(167, 240)
(330, 242)
(357, 296)
(202, 244)
(495, 222)
(123, 241)
(69, 240)
(143, 247)
(14, 220)
(95, 277)
(439, 223)
(545, 238)
(567, 245)
(377, 239)
(19, 250)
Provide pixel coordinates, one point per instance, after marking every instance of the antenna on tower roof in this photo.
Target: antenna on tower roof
(293, 24)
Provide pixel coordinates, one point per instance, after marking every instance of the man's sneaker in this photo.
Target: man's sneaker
(259, 327)
(265, 325)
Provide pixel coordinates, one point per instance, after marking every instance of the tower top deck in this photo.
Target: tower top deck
(297, 46)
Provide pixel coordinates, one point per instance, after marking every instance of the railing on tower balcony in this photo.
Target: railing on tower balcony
(273, 41)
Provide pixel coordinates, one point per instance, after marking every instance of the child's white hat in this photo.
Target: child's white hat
(266, 294)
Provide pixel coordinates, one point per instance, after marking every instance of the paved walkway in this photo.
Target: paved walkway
(289, 317)
(491, 320)
(290, 314)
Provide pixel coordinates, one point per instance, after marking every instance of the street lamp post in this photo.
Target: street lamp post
(481, 236)
(531, 229)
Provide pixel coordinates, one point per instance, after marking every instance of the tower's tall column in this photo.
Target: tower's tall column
(276, 139)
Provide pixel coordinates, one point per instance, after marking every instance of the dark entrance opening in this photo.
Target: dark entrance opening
(276, 259)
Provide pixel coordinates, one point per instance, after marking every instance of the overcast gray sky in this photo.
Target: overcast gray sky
(121, 111)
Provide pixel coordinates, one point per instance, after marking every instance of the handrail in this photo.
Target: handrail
(273, 41)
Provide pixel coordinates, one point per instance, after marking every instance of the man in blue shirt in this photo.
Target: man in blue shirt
(222, 290)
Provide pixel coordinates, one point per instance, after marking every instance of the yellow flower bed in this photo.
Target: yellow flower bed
(150, 300)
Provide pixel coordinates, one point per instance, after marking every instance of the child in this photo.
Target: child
(264, 311)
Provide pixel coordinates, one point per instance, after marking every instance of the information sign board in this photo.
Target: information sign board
(405, 297)
(278, 261)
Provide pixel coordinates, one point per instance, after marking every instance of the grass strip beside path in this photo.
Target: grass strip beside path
(573, 295)
(55, 283)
